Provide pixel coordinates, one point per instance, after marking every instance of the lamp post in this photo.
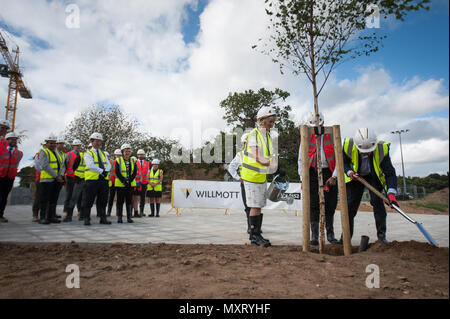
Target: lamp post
(399, 132)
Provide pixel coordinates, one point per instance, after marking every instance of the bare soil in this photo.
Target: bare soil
(407, 270)
(410, 207)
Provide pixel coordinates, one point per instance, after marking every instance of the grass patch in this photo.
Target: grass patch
(442, 207)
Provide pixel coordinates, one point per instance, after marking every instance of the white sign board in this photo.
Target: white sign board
(225, 195)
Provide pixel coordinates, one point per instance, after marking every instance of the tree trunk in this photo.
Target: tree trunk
(318, 137)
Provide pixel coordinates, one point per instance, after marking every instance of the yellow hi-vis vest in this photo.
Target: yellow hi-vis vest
(153, 177)
(379, 154)
(90, 175)
(61, 157)
(123, 172)
(252, 171)
(53, 162)
(81, 167)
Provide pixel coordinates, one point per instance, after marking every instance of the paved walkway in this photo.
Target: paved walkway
(206, 226)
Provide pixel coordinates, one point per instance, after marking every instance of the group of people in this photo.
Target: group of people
(91, 177)
(364, 155)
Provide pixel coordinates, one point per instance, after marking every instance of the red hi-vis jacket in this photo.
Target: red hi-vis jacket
(328, 148)
(70, 159)
(3, 145)
(38, 174)
(9, 163)
(112, 173)
(142, 172)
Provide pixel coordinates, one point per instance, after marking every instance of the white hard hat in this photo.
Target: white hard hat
(365, 140)
(244, 138)
(155, 161)
(117, 152)
(76, 142)
(60, 140)
(96, 136)
(11, 135)
(265, 111)
(141, 151)
(5, 123)
(51, 138)
(310, 119)
(125, 146)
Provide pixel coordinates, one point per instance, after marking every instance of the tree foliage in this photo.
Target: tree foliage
(314, 36)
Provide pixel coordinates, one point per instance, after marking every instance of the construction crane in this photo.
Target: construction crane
(16, 84)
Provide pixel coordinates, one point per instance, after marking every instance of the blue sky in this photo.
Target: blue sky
(419, 46)
(179, 58)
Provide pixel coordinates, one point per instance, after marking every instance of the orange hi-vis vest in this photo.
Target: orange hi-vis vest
(70, 159)
(142, 171)
(112, 173)
(9, 163)
(328, 147)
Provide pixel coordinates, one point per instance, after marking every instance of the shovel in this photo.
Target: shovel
(419, 225)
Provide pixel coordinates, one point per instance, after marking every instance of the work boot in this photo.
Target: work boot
(380, 223)
(104, 220)
(314, 234)
(260, 219)
(86, 216)
(43, 216)
(3, 220)
(35, 215)
(255, 235)
(52, 215)
(247, 213)
(136, 214)
(330, 229)
(119, 214)
(129, 219)
(67, 219)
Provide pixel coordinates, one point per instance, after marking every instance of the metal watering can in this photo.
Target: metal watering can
(278, 187)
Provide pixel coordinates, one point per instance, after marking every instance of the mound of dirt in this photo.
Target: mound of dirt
(406, 270)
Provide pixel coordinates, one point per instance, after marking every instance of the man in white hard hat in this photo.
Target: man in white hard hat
(154, 188)
(112, 180)
(70, 175)
(96, 178)
(369, 158)
(4, 127)
(234, 169)
(9, 163)
(259, 160)
(141, 183)
(125, 182)
(52, 172)
(329, 177)
(37, 192)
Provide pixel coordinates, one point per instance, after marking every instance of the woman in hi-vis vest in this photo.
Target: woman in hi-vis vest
(125, 182)
(259, 160)
(154, 188)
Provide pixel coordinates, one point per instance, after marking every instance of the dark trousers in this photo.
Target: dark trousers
(6, 185)
(49, 198)
(70, 183)
(58, 190)
(124, 195)
(37, 197)
(246, 208)
(77, 192)
(95, 189)
(141, 195)
(330, 198)
(112, 194)
(355, 191)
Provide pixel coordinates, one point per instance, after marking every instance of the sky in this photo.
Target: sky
(170, 63)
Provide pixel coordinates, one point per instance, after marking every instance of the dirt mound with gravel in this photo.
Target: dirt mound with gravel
(406, 270)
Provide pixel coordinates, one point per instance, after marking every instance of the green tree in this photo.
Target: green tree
(312, 37)
(241, 109)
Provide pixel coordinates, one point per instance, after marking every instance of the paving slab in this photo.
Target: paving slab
(206, 226)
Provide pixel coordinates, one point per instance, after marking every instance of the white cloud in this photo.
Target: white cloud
(134, 56)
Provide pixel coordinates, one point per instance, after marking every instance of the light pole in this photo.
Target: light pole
(401, 153)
